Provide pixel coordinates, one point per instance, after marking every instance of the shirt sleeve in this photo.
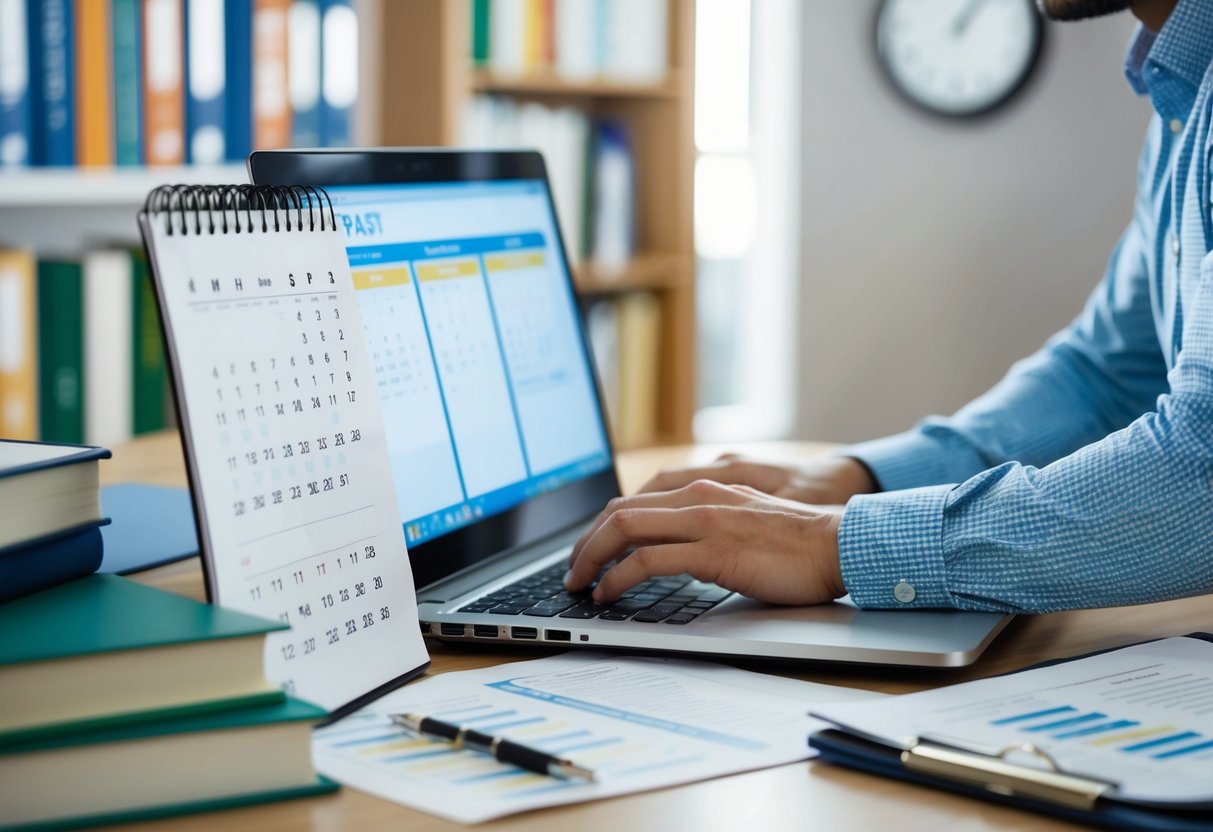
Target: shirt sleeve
(1093, 378)
(1124, 520)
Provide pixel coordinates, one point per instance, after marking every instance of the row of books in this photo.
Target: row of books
(81, 351)
(168, 82)
(618, 40)
(625, 335)
(590, 166)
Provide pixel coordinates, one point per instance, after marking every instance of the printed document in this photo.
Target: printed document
(638, 723)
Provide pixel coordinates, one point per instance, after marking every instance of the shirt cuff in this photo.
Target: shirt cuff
(890, 548)
(916, 458)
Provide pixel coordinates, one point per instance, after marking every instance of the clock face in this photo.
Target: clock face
(958, 57)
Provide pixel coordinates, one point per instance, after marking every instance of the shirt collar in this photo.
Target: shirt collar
(1183, 49)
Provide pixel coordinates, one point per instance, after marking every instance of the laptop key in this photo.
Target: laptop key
(616, 615)
(476, 607)
(585, 611)
(679, 619)
(655, 614)
(508, 609)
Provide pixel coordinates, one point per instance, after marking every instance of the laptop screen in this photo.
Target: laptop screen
(491, 411)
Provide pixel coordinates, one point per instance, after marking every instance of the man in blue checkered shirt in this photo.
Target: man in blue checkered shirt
(1083, 479)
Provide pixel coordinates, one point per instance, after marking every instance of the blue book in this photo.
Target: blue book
(50, 561)
(47, 489)
(16, 114)
(54, 121)
(152, 525)
(338, 72)
(303, 86)
(205, 82)
(238, 18)
(128, 82)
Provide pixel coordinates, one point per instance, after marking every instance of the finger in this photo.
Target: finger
(650, 562)
(699, 492)
(672, 479)
(629, 528)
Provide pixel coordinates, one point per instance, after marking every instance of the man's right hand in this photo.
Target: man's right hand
(827, 481)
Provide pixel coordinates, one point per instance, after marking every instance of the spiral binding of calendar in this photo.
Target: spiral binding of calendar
(235, 209)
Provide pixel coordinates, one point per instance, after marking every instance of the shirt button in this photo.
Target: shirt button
(1176, 125)
(903, 592)
(1175, 244)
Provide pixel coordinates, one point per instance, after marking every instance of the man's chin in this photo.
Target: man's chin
(1080, 9)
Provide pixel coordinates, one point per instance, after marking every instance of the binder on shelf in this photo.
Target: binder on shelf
(1028, 776)
(18, 339)
(303, 81)
(339, 72)
(238, 66)
(126, 29)
(205, 82)
(94, 85)
(61, 350)
(271, 104)
(52, 57)
(16, 115)
(163, 82)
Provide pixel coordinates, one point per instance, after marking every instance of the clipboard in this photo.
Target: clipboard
(1046, 790)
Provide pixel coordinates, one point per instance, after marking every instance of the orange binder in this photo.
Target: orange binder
(18, 358)
(271, 104)
(94, 84)
(163, 82)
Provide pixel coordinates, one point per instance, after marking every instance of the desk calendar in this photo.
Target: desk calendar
(284, 436)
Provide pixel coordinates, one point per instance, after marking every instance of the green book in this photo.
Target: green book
(140, 653)
(480, 32)
(61, 351)
(172, 766)
(150, 372)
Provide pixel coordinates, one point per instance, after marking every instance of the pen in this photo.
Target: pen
(507, 751)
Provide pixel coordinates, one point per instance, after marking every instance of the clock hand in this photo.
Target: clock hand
(961, 24)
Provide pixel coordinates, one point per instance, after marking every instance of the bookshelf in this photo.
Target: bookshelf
(415, 78)
(425, 80)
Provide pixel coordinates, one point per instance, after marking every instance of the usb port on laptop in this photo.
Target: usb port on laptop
(524, 632)
(484, 630)
(453, 629)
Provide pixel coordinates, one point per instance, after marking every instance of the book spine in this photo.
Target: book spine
(271, 106)
(149, 370)
(31, 568)
(18, 345)
(163, 82)
(61, 351)
(107, 348)
(16, 115)
(238, 63)
(206, 82)
(95, 85)
(339, 72)
(56, 123)
(128, 84)
(303, 55)
(480, 32)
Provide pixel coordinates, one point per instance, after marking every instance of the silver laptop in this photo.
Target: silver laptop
(499, 446)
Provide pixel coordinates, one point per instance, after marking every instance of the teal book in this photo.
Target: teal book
(61, 350)
(149, 377)
(45, 563)
(128, 82)
(480, 32)
(140, 653)
(191, 763)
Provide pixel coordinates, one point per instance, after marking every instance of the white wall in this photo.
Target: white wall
(934, 253)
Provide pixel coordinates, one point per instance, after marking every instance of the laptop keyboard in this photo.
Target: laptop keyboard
(673, 600)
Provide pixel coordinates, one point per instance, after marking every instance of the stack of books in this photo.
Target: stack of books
(50, 515)
(119, 702)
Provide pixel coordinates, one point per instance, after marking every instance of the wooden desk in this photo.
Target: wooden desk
(798, 796)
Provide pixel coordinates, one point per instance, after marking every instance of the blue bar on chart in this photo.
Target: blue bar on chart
(1007, 720)
(1096, 729)
(1179, 752)
(1065, 723)
(1146, 746)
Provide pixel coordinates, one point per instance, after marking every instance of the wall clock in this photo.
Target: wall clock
(958, 58)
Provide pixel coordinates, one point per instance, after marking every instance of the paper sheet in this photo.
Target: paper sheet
(638, 723)
(1141, 717)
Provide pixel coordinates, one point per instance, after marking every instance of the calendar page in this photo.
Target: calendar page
(285, 440)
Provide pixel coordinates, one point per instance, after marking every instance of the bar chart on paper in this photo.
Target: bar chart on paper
(637, 724)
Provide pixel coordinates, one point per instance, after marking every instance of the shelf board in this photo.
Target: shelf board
(549, 83)
(91, 187)
(644, 271)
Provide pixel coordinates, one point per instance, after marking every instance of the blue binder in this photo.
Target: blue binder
(970, 774)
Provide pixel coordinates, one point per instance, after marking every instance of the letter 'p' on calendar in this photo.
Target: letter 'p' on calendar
(283, 434)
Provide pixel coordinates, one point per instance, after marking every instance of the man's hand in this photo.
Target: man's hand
(772, 549)
(830, 481)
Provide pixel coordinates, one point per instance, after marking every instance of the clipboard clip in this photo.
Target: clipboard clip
(998, 775)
